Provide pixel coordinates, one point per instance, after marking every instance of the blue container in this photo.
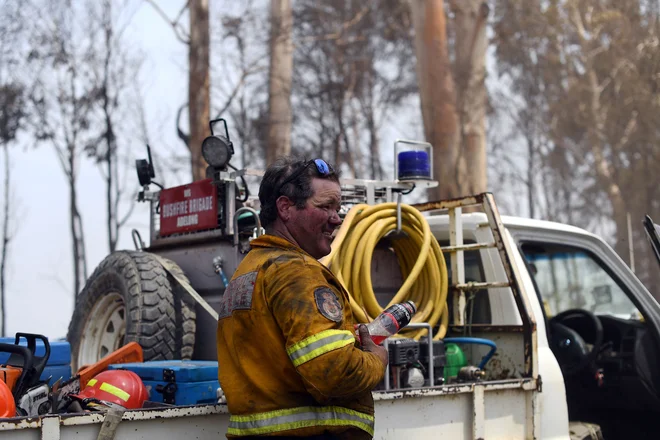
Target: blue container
(59, 361)
(53, 372)
(60, 351)
(185, 393)
(177, 382)
(414, 165)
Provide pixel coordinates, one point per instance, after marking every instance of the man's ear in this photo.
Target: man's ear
(284, 207)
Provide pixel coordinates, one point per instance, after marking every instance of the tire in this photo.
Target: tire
(130, 297)
(584, 431)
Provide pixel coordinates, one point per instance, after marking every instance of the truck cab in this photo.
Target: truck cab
(598, 349)
(602, 326)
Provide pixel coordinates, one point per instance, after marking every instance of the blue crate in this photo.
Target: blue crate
(60, 351)
(185, 371)
(187, 393)
(59, 361)
(56, 372)
(196, 381)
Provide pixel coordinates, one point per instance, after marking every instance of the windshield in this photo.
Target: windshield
(571, 278)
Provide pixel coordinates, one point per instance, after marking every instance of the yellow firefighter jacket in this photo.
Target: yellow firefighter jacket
(289, 363)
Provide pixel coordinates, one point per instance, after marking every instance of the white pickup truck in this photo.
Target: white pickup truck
(576, 334)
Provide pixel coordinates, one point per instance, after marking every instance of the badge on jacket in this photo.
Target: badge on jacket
(328, 304)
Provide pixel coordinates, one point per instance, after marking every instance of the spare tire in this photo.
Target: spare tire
(130, 297)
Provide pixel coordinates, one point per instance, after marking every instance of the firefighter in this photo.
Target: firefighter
(289, 362)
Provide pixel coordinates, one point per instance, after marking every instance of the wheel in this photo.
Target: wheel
(130, 297)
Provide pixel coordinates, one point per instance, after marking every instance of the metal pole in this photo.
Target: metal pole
(631, 249)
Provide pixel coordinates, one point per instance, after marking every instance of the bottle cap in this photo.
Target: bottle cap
(414, 307)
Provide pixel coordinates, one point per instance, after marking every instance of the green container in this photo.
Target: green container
(455, 360)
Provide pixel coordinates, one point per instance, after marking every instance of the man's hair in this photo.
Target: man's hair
(297, 190)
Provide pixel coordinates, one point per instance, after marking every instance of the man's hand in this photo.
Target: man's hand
(369, 345)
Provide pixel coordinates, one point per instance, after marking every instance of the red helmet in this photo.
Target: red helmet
(115, 387)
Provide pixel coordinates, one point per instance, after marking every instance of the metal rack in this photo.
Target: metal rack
(456, 249)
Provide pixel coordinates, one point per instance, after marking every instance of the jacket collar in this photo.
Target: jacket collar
(273, 241)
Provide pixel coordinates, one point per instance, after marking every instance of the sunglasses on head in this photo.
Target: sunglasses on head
(322, 168)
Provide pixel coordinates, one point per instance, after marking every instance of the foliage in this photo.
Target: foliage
(12, 111)
(585, 72)
(352, 68)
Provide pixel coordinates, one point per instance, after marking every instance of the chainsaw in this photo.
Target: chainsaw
(22, 372)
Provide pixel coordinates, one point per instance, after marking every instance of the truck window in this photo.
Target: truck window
(478, 310)
(572, 278)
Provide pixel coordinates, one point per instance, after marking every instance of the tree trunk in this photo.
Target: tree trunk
(198, 84)
(112, 194)
(471, 44)
(437, 93)
(279, 81)
(77, 240)
(531, 174)
(604, 171)
(5, 241)
(375, 170)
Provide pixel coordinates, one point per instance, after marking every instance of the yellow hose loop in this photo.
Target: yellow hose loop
(418, 253)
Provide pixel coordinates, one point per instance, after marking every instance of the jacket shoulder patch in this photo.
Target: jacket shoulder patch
(328, 304)
(238, 295)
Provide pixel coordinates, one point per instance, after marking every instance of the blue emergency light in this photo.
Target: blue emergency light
(414, 165)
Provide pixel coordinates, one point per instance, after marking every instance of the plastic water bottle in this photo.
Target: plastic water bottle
(393, 319)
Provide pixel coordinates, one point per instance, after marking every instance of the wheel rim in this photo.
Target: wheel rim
(104, 330)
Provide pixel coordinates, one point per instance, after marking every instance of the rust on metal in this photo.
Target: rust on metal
(467, 247)
(487, 202)
(502, 367)
(20, 423)
(529, 336)
(457, 260)
(458, 388)
(481, 286)
(450, 203)
(496, 371)
(487, 328)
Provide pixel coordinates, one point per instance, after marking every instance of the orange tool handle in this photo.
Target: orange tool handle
(131, 352)
(10, 375)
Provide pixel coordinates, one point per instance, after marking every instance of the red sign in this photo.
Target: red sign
(189, 208)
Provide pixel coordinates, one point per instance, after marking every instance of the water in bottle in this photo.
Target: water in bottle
(391, 321)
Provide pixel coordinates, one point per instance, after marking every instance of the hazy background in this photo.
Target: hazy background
(569, 111)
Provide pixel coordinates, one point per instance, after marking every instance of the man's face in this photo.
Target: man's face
(312, 226)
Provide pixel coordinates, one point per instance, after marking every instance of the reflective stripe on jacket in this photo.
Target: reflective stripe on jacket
(288, 359)
(302, 417)
(318, 344)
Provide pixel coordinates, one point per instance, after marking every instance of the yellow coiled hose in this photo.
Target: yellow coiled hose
(421, 261)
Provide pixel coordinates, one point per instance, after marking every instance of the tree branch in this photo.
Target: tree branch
(183, 136)
(345, 26)
(178, 31)
(630, 128)
(244, 76)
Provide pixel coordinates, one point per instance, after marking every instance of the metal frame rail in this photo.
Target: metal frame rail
(456, 250)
